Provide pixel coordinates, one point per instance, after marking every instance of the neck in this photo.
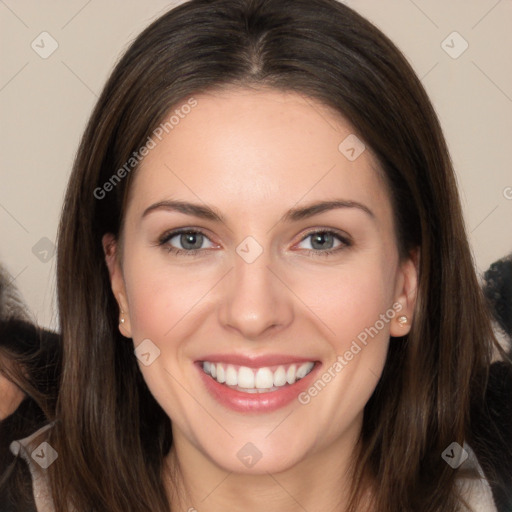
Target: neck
(320, 481)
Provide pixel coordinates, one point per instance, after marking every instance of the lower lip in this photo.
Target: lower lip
(256, 402)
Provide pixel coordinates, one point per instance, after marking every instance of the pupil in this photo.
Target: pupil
(191, 239)
(322, 239)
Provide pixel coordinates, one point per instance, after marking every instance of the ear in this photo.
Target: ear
(112, 259)
(405, 294)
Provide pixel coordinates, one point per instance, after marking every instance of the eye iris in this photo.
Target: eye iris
(194, 239)
(322, 239)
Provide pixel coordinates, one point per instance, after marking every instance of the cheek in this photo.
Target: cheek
(164, 301)
(161, 296)
(349, 299)
(354, 307)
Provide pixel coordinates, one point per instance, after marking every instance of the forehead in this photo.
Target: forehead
(246, 149)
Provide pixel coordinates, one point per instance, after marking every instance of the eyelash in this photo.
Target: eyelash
(164, 239)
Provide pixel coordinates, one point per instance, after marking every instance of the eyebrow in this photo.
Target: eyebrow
(292, 215)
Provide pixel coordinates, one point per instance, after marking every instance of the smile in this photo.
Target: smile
(265, 379)
(256, 385)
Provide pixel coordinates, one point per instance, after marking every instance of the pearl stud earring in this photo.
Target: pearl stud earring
(402, 320)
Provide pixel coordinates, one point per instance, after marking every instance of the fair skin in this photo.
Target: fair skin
(252, 155)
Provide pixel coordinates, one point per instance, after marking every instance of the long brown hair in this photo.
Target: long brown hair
(111, 435)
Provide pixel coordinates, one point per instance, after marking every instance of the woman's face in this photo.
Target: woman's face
(291, 270)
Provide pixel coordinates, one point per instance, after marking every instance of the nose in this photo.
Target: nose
(255, 299)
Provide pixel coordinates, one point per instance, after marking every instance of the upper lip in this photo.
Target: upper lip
(255, 361)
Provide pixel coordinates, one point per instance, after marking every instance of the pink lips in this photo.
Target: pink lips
(255, 402)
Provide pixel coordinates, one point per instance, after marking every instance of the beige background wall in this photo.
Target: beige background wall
(45, 102)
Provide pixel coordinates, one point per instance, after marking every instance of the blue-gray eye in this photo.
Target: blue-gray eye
(191, 241)
(325, 241)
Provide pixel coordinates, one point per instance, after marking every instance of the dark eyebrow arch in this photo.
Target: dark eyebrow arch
(292, 215)
(197, 210)
(296, 214)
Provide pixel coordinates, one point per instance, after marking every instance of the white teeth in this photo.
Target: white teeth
(221, 374)
(264, 378)
(231, 376)
(280, 376)
(290, 374)
(246, 377)
(303, 370)
(252, 380)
